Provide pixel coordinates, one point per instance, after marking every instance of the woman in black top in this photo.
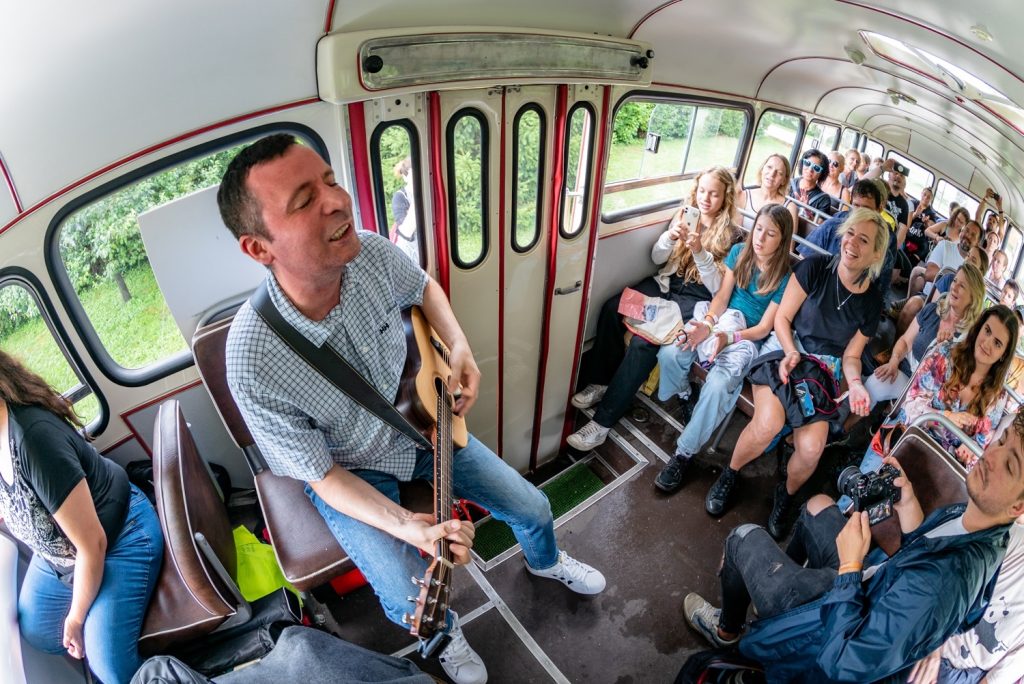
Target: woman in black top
(96, 538)
(806, 188)
(830, 310)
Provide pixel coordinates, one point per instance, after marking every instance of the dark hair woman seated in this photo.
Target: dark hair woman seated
(96, 538)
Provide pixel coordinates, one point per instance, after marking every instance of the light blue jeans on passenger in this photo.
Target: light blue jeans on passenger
(478, 475)
(114, 621)
(718, 396)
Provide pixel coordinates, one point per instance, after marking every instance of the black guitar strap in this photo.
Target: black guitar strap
(330, 364)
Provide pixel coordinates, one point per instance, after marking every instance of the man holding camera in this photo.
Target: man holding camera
(850, 615)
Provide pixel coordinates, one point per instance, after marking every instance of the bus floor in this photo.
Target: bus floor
(652, 548)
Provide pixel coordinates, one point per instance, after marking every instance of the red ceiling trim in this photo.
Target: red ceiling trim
(154, 148)
(329, 19)
(643, 19)
(10, 186)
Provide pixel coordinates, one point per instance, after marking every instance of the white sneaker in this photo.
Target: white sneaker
(578, 576)
(588, 437)
(590, 395)
(460, 662)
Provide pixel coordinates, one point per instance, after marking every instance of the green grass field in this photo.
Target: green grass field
(135, 334)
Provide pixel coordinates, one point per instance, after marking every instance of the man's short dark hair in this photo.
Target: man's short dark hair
(239, 210)
(1013, 285)
(866, 188)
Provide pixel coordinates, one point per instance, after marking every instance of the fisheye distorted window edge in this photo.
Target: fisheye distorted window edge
(455, 239)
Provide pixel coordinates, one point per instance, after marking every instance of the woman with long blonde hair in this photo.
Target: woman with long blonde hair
(691, 271)
(771, 186)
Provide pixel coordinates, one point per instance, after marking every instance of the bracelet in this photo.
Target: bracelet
(712, 317)
(850, 567)
(735, 337)
(710, 327)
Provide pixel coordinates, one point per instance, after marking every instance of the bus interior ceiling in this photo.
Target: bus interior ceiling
(106, 104)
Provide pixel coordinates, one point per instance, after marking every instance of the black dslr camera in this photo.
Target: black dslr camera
(871, 492)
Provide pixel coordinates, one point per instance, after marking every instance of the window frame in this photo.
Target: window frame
(935, 194)
(541, 159)
(868, 140)
(377, 179)
(80, 321)
(904, 159)
(794, 151)
(485, 159)
(824, 124)
(663, 97)
(855, 146)
(588, 181)
(19, 276)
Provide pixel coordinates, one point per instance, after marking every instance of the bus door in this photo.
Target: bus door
(518, 169)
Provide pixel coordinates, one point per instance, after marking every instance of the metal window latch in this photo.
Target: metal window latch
(569, 290)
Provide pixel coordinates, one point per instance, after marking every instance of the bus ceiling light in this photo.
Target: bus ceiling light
(982, 33)
(979, 154)
(352, 65)
(855, 55)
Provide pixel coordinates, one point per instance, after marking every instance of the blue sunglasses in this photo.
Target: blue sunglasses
(818, 168)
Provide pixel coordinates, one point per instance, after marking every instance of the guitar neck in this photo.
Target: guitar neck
(443, 455)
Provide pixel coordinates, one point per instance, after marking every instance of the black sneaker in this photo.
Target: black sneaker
(721, 492)
(670, 479)
(779, 518)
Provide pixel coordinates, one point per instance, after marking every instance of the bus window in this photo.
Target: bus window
(578, 156)
(657, 145)
(919, 177)
(528, 171)
(820, 135)
(396, 176)
(102, 253)
(848, 141)
(776, 134)
(467, 186)
(946, 192)
(26, 335)
(873, 149)
(1011, 246)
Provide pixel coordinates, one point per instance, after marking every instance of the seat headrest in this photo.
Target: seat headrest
(209, 346)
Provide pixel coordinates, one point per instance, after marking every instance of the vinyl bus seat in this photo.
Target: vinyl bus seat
(938, 479)
(195, 593)
(307, 552)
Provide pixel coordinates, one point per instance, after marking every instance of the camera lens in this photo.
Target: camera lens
(848, 479)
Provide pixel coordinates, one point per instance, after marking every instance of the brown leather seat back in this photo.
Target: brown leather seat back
(307, 552)
(937, 477)
(190, 599)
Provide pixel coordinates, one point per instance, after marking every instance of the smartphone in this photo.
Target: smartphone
(691, 217)
(803, 393)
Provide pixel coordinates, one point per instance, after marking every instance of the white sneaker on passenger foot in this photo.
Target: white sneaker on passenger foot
(588, 437)
(460, 662)
(590, 395)
(578, 576)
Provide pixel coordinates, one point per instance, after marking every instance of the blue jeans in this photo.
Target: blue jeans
(114, 621)
(718, 396)
(478, 475)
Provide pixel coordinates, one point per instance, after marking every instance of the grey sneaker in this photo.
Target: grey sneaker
(588, 437)
(460, 662)
(590, 395)
(578, 576)
(704, 618)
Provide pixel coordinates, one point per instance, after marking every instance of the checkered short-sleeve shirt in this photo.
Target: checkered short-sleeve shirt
(301, 422)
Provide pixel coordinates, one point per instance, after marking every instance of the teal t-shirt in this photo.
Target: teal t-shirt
(747, 301)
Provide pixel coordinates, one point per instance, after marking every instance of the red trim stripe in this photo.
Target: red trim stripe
(154, 148)
(361, 166)
(602, 152)
(10, 186)
(329, 18)
(557, 182)
(130, 437)
(501, 278)
(156, 400)
(439, 195)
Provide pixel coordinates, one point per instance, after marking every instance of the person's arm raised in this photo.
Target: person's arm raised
(465, 373)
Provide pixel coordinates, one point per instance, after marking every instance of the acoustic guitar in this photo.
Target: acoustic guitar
(424, 399)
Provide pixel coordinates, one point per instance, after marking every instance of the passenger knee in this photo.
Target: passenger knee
(819, 502)
(743, 530)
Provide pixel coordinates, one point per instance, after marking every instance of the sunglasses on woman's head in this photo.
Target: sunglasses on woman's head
(818, 168)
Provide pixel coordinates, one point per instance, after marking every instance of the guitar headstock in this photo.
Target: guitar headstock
(432, 604)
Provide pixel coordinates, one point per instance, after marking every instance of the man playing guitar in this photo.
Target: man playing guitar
(346, 288)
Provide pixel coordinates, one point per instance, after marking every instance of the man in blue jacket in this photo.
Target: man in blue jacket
(852, 616)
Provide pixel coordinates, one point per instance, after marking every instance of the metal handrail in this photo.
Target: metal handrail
(796, 238)
(817, 212)
(950, 426)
